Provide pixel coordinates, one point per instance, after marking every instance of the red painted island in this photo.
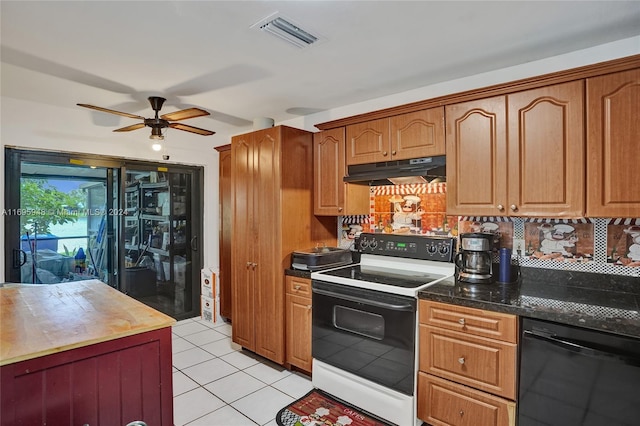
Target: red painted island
(82, 353)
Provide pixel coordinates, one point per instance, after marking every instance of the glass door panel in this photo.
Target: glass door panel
(57, 226)
(160, 241)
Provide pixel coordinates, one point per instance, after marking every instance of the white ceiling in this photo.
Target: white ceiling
(114, 54)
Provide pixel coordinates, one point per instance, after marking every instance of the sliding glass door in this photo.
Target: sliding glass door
(133, 225)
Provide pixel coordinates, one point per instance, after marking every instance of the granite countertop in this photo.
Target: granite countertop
(300, 273)
(601, 302)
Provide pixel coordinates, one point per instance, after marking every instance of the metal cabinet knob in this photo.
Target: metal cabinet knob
(393, 153)
(297, 287)
(384, 153)
(461, 360)
(461, 413)
(339, 209)
(309, 307)
(500, 207)
(461, 321)
(513, 207)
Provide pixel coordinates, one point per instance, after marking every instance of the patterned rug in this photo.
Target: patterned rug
(319, 409)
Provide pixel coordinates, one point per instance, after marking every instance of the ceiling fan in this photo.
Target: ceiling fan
(159, 122)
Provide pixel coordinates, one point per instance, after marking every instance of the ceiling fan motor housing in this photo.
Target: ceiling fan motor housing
(156, 102)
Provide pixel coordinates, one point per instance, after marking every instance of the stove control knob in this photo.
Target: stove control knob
(364, 244)
(432, 249)
(444, 250)
(373, 244)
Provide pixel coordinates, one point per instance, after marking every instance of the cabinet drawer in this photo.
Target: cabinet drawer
(442, 403)
(482, 363)
(477, 322)
(298, 286)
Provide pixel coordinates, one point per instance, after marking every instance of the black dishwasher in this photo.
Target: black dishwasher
(571, 376)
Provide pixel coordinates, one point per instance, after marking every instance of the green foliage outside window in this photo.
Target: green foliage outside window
(43, 205)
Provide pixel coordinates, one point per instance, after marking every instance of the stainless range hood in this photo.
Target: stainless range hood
(415, 170)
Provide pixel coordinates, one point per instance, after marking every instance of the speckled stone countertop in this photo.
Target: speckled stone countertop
(298, 273)
(602, 302)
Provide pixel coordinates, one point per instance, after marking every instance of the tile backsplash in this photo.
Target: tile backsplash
(601, 245)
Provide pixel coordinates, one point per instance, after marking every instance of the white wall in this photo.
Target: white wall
(35, 125)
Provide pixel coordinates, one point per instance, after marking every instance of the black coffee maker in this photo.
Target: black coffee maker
(474, 258)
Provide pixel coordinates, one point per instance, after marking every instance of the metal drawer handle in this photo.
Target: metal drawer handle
(297, 287)
(461, 360)
(461, 413)
(461, 321)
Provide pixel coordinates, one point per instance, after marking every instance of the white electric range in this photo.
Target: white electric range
(365, 323)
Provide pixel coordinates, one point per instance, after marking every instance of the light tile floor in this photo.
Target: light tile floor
(216, 383)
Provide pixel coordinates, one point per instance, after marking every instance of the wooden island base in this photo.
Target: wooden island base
(113, 366)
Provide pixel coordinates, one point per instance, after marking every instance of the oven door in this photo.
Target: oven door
(368, 333)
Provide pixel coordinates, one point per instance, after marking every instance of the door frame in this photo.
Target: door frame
(15, 156)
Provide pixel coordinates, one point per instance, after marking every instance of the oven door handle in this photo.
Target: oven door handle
(377, 303)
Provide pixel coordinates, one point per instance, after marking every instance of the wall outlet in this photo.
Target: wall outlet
(518, 247)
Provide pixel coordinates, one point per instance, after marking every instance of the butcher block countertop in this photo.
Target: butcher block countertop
(37, 320)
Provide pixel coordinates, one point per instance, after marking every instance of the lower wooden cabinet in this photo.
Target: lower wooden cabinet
(298, 322)
(468, 366)
(443, 403)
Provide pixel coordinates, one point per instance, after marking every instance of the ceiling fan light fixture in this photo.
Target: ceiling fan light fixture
(156, 134)
(287, 30)
(156, 147)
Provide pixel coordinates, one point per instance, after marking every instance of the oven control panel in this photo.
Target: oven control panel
(408, 246)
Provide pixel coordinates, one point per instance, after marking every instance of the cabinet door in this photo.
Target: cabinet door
(329, 169)
(242, 269)
(476, 157)
(332, 196)
(298, 320)
(368, 142)
(226, 216)
(546, 151)
(417, 134)
(443, 403)
(613, 123)
(268, 290)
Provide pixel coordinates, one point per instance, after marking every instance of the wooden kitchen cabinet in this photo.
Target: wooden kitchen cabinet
(468, 365)
(444, 403)
(332, 196)
(401, 137)
(225, 235)
(613, 154)
(518, 155)
(298, 322)
(272, 183)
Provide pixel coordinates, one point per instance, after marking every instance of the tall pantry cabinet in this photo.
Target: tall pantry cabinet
(272, 185)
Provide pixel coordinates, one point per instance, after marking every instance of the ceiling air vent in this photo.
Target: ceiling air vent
(277, 25)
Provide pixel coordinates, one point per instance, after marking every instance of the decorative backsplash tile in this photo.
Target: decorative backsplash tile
(591, 245)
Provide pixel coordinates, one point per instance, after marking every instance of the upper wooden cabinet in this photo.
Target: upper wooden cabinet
(613, 145)
(401, 137)
(518, 155)
(332, 196)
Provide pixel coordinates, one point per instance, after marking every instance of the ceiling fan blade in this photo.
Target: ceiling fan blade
(110, 111)
(183, 114)
(130, 128)
(191, 129)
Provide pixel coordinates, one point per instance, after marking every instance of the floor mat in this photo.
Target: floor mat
(319, 409)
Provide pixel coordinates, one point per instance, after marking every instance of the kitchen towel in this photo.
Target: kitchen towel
(318, 408)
